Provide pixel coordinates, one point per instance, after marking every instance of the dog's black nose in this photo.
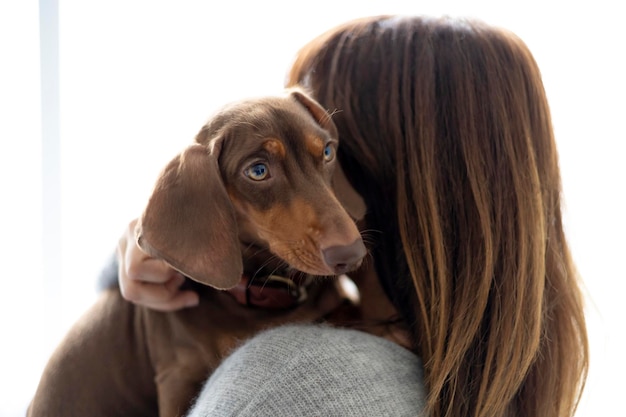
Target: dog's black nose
(343, 259)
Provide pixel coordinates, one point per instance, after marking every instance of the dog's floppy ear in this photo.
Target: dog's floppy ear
(345, 193)
(189, 221)
(317, 111)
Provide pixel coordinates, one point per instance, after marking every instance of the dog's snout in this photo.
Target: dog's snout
(342, 259)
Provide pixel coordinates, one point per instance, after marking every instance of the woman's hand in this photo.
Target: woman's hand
(147, 281)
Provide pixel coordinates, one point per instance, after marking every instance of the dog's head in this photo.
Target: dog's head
(260, 174)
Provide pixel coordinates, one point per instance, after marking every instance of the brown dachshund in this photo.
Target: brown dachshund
(248, 210)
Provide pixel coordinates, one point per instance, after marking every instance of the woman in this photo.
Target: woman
(446, 134)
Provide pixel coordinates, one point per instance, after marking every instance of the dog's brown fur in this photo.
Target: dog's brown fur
(205, 212)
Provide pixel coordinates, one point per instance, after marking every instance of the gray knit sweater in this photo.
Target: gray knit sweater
(315, 370)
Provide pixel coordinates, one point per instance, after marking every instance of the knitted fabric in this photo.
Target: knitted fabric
(315, 370)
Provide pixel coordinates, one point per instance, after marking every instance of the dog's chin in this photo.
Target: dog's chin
(261, 262)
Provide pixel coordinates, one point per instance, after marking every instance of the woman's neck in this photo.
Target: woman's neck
(374, 313)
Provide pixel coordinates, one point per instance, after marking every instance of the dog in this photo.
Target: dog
(248, 213)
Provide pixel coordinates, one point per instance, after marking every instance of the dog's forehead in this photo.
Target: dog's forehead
(314, 144)
(279, 126)
(279, 147)
(275, 147)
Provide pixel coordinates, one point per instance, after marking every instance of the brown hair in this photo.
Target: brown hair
(445, 131)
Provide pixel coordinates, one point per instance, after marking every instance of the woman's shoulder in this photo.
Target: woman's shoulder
(293, 370)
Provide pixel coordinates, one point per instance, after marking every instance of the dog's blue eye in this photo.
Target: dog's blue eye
(329, 153)
(257, 172)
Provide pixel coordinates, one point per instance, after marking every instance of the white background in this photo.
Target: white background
(138, 79)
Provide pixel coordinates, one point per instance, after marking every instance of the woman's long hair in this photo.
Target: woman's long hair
(446, 132)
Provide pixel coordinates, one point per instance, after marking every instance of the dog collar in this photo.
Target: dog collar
(273, 292)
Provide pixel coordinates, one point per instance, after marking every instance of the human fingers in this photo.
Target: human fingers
(147, 281)
(162, 297)
(136, 265)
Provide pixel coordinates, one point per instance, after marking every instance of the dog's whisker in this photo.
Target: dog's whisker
(367, 232)
(258, 250)
(334, 112)
(247, 248)
(298, 275)
(268, 261)
(367, 237)
(267, 278)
